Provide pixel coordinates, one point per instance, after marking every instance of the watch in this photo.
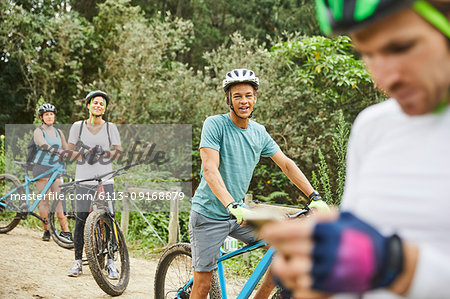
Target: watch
(313, 194)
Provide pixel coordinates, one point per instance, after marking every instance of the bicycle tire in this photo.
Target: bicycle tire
(97, 246)
(69, 211)
(9, 215)
(165, 286)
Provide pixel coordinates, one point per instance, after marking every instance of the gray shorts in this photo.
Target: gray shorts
(207, 235)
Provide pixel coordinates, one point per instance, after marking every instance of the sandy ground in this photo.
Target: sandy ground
(31, 268)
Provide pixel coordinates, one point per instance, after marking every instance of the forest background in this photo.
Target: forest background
(164, 62)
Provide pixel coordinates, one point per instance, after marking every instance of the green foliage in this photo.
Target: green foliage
(215, 20)
(144, 238)
(2, 153)
(273, 196)
(141, 70)
(324, 179)
(332, 190)
(340, 141)
(40, 102)
(43, 47)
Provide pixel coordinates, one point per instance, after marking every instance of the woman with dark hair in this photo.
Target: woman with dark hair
(103, 139)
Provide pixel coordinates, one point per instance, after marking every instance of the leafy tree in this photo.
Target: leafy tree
(45, 52)
(215, 20)
(86, 8)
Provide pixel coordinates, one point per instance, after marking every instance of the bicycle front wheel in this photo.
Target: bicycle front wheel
(10, 205)
(103, 240)
(66, 205)
(174, 272)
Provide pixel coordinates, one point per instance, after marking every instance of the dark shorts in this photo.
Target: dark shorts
(39, 169)
(207, 235)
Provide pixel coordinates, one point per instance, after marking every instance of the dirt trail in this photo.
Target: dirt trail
(31, 268)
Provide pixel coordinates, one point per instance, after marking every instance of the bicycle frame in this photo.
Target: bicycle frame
(256, 276)
(55, 170)
(106, 206)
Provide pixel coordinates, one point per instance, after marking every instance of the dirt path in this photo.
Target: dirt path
(31, 268)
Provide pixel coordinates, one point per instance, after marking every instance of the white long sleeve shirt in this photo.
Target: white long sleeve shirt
(398, 180)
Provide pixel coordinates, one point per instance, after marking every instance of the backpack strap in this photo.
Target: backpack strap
(43, 132)
(57, 133)
(109, 137)
(107, 130)
(81, 130)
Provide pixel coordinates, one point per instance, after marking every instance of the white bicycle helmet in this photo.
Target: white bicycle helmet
(46, 108)
(240, 76)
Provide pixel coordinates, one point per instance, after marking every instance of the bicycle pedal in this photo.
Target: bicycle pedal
(23, 216)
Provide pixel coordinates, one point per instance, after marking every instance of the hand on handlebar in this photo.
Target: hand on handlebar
(239, 211)
(97, 150)
(317, 203)
(54, 151)
(94, 154)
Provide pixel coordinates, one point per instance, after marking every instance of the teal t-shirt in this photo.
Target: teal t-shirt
(240, 151)
(44, 157)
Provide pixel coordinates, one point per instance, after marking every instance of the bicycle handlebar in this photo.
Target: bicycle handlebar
(99, 178)
(264, 215)
(303, 211)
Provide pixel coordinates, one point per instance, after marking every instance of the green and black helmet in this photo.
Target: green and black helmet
(97, 93)
(344, 16)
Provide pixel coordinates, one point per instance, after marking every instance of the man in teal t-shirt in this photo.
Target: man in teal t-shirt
(230, 147)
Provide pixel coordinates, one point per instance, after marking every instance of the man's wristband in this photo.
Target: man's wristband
(233, 203)
(393, 265)
(313, 195)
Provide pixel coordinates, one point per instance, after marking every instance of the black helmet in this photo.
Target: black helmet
(344, 16)
(97, 93)
(46, 108)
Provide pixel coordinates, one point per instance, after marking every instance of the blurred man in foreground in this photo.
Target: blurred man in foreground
(392, 236)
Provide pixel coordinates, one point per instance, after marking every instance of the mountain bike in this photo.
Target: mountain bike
(103, 238)
(174, 273)
(68, 204)
(16, 201)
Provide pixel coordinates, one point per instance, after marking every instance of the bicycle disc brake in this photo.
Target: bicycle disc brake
(112, 249)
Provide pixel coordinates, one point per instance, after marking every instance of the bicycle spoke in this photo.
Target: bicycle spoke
(174, 271)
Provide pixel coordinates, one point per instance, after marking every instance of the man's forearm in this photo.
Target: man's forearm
(217, 185)
(297, 177)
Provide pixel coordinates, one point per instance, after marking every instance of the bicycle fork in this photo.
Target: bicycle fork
(102, 244)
